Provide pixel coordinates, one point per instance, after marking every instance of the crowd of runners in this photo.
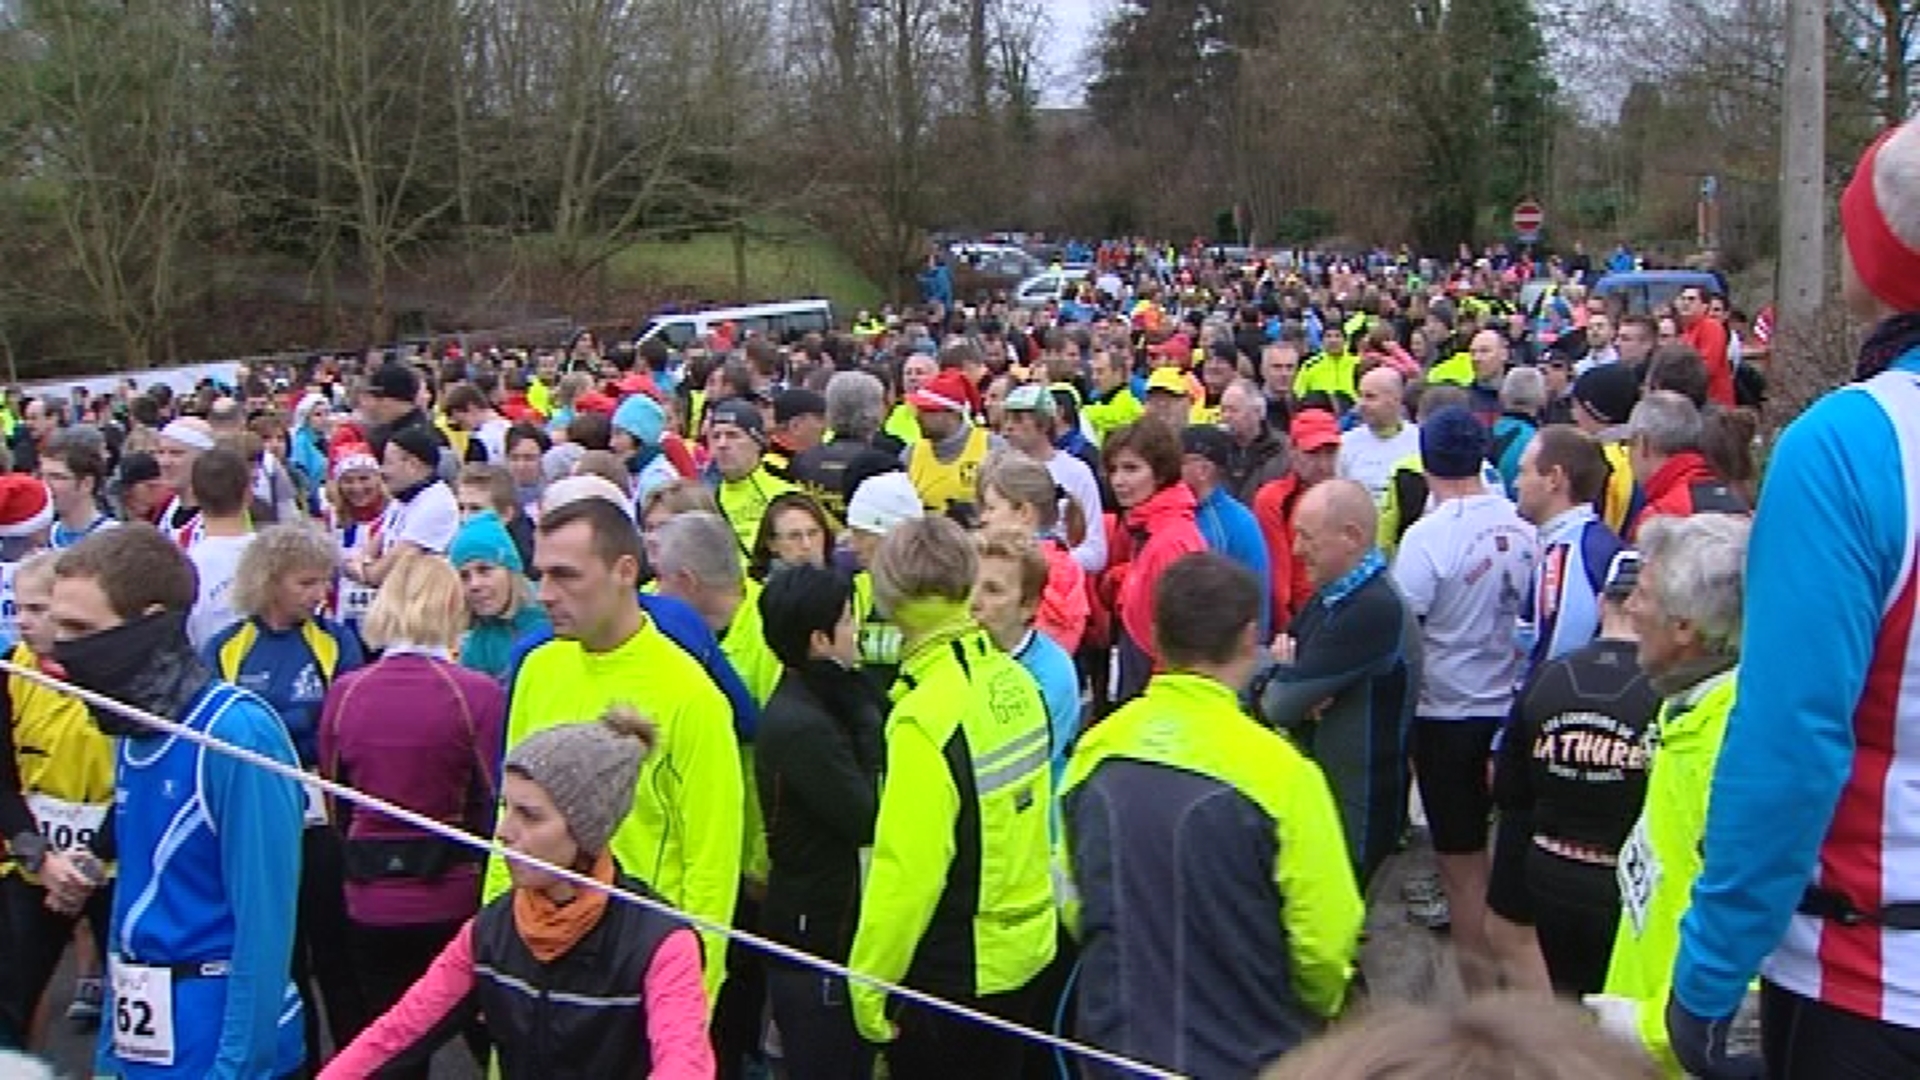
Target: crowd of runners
(1079, 667)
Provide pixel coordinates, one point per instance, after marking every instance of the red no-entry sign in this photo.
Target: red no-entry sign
(1528, 217)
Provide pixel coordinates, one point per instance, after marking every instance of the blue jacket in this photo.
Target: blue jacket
(1827, 550)
(1059, 681)
(1230, 528)
(209, 869)
(685, 628)
(283, 671)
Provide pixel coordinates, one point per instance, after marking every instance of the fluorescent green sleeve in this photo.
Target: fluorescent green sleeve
(711, 811)
(524, 691)
(913, 849)
(1322, 910)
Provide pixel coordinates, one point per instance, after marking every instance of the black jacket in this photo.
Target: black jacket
(832, 470)
(817, 761)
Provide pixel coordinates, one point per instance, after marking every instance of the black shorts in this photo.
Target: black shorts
(1450, 763)
(1508, 893)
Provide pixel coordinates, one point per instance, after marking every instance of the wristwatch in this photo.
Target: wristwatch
(29, 849)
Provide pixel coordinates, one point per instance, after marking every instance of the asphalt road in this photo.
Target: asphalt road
(1401, 962)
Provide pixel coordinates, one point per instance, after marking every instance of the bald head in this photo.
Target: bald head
(1334, 528)
(1489, 349)
(1383, 400)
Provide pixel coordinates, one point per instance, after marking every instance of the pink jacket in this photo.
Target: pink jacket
(676, 1010)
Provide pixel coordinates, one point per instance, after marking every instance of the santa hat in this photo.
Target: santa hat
(26, 507)
(1880, 214)
(354, 457)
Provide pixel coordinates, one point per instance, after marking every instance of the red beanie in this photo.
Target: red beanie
(1886, 263)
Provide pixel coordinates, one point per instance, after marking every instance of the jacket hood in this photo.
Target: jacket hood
(1168, 504)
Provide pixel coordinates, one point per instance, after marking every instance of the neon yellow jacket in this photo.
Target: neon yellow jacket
(684, 835)
(944, 911)
(903, 423)
(743, 502)
(1661, 857)
(1194, 724)
(1116, 411)
(1455, 370)
(745, 647)
(1336, 374)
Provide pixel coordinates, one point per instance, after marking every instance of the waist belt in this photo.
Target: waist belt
(1827, 904)
(1585, 853)
(416, 858)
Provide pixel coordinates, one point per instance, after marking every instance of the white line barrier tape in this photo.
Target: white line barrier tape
(487, 844)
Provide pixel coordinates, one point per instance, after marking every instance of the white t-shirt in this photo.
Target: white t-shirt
(427, 521)
(1368, 459)
(492, 435)
(216, 559)
(1077, 481)
(1465, 570)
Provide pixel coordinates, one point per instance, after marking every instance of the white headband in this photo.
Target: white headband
(188, 434)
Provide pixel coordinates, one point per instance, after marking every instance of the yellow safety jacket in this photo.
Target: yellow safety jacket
(66, 764)
(743, 502)
(958, 899)
(903, 423)
(1327, 373)
(1455, 370)
(744, 644)
(944, 484)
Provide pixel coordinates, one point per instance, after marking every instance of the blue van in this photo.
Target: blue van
(1642, 292)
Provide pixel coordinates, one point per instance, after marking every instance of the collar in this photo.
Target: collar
(1370, 566)
(408, 648)
(409, 493)
(1567, 521)
(1685, 686)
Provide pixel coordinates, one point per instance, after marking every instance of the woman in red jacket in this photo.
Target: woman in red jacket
(1143, 464)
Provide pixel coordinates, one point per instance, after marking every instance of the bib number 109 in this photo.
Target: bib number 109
(68, 826)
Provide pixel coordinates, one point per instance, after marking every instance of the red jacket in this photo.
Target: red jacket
(1273, 506)
(1064, 606)
(1161, 530)
(1684, 485)
(1708, 337)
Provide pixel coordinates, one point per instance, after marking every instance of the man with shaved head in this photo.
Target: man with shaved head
(1384, 435)
(1347, 670)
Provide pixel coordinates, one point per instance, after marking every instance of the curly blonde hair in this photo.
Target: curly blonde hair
(275, 552)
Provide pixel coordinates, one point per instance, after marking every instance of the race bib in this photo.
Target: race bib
(68, 826)
(356, 600)
(142, 1013)
(1639, 874)
(316, 812)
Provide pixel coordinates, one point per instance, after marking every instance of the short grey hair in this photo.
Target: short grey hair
(1247, 388)
(1524, 390)
(856, 404)
(1670, 421)
(1694, 569)
(702, 544)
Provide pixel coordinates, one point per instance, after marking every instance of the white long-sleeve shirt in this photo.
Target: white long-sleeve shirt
(1077, 481)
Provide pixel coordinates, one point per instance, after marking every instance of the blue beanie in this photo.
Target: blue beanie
(641, 417)
(1453, 445)
(482, 538)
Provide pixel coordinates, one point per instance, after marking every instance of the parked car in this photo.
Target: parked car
(1641, 292)
(1048, 287)
(779, 322)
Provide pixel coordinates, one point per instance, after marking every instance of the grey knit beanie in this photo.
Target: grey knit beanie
(588, 770)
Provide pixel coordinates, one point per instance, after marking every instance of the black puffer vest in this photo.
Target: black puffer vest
(582, 1016)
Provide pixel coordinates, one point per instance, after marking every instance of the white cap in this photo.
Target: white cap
(883, 501)
(572, 489)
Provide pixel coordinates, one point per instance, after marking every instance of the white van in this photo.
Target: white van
(776, 322)
(1049, 286)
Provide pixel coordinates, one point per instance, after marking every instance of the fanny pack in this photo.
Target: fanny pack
(419, 858)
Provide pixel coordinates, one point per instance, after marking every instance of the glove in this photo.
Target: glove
(1700, 1045)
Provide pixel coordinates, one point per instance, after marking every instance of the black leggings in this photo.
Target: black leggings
(322, 953)
(33, 938)
(1805, 1039)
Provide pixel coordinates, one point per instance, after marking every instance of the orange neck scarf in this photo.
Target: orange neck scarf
(550, 928)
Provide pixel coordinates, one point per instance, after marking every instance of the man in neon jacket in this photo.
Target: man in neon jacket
(1210, 888)
(1826, 723)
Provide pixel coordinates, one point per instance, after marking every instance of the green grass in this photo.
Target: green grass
(784, 261)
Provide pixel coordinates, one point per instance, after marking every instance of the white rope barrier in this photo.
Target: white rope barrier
(493, 847)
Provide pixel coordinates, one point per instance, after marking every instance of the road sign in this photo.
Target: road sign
(1528, 217)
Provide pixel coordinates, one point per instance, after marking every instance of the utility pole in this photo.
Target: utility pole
(1800, 284)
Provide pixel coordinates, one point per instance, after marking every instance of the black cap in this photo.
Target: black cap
(1211, 443)
(1608, 391)
(395, 382)
(741, 414)
(419, 444)
(797, 402)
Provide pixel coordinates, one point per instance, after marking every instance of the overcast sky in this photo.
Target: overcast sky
(1074, 23)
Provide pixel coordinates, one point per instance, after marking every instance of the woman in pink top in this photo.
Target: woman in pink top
(574, 982)
(421, 731)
